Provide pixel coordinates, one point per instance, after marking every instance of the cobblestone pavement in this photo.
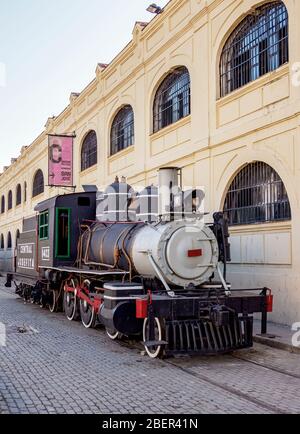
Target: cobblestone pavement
(60, 367)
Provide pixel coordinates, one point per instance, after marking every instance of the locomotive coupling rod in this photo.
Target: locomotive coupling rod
(160, 275)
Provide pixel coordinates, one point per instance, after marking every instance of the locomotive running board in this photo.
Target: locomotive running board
(89, 272)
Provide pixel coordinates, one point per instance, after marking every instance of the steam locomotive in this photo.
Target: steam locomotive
(143, 265)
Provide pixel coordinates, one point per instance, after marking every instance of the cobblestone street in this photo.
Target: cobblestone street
(60, 367)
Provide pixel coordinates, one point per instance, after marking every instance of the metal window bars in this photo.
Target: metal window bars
(173, 99)
(9, 240)
(89, 153)
(260, 44)
(9, 200)
(257, 195)
(18, 195)
(38, 184)
(122, 131)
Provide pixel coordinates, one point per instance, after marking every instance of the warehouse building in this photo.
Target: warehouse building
(209, 86)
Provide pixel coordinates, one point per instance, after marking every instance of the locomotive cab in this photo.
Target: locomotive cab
(59, 225)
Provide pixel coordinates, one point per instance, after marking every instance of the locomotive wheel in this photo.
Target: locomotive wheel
(87, 313)
(155, 351)
(112, 334)
(70, 304)
(53, 303)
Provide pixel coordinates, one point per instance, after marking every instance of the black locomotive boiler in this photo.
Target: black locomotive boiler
(143, 265)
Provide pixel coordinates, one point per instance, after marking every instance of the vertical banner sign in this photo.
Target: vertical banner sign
(60, 165)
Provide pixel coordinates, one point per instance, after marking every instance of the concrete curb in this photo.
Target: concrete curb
(276, 344)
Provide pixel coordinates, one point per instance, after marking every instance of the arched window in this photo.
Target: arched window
(38, 184)
(9, 241)
(17, 236)
(173, 99)
(257, 195)
(2, 242)
(89, 151)
(122, 130)
(2, 204)
(9, 200)
(259, 44)
(25, 191)
(18, 195)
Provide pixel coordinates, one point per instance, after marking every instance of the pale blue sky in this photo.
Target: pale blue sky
(50, 48)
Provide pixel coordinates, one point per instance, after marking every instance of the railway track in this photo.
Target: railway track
(269, 407)
(180, 363)
(266, 366)
(176, 363)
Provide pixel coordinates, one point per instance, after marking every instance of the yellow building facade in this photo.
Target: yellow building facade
(258, 121)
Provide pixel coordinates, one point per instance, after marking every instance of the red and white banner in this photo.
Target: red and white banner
(60, 161)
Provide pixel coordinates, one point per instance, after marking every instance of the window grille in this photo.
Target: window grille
(2, 205)
(260, 44)
(25, 191)
(38, 184)
(257, 195)
(18, 195)
(122, 130)
(9, 200)
(9, 241)
(89, 153)
(18, 234)
(173, 99)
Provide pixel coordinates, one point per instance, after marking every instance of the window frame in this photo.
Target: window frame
(69, 211)
(44, 226)
(10, 200)
(89, 156)
(9, 241)
(260, 41)
(3, 205)
(39, 189)
(172, 100)
(122, 128)
(256, 195)
(18, 195)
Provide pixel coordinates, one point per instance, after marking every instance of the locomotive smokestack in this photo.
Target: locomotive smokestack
(169, 192)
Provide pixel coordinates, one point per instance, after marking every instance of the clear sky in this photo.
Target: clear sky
(50, 48)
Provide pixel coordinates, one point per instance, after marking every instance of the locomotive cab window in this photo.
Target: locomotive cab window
(63, 233)
(84, 201)
(44, 225)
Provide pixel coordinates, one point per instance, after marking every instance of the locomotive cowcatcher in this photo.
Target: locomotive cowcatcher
(143, 265)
